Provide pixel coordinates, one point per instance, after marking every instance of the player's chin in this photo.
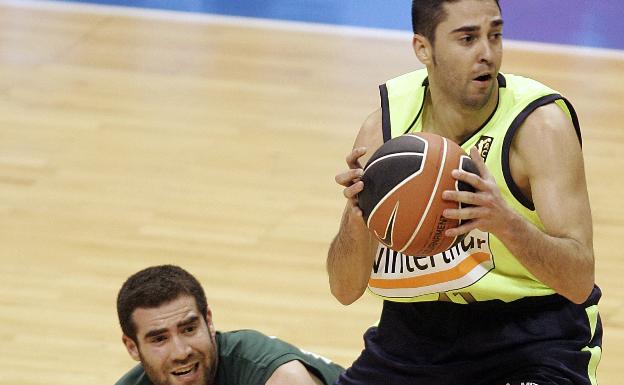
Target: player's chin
(477, 97)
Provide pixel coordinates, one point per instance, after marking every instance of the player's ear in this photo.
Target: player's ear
(209, 323)
(423, 49)
(132, 347)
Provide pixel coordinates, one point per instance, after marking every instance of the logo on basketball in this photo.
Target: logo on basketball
(387, 238)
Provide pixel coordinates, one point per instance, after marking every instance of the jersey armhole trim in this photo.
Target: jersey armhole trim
(517, 122)
(385, 113)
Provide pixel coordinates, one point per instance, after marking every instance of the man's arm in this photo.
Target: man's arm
(293, 373)
(547, 164)
(351, 253)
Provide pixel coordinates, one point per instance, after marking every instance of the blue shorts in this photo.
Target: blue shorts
(539, 340)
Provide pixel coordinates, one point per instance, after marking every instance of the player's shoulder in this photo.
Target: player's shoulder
(548, 119)
(407, 81)
(372, 123)
(514, 80)
(370, 134)
(522, 91)
(542, 106)
(546, 134)
(242, 336)
(243, 342)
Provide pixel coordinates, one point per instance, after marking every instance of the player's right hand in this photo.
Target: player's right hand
(351, 178)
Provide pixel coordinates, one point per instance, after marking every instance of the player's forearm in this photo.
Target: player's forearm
(564, 264)
(350, 259)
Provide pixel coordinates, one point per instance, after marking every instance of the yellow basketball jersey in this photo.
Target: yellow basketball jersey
(480, 267)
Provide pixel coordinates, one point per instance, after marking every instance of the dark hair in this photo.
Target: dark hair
(427, 14)
(155, 286)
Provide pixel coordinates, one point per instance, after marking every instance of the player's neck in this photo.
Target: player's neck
(452, 120)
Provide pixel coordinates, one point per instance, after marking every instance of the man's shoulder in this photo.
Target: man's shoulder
(242, 335)
(409, 80)
(242, 342)
(247, 357)
(523, 85)
(136, 376)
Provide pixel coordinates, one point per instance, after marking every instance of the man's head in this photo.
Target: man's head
(167, 325)
(427, 14)
(460, 43)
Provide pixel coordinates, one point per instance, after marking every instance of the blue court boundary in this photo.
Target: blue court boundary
(597, 23)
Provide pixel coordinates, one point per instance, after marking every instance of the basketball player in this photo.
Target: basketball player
(527, 312)
(167, 326)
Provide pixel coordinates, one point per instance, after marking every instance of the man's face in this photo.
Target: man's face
(467, 52)
(176, 345)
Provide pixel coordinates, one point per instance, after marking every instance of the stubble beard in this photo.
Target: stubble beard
(478, 102)
(475, 103)
(208, 374)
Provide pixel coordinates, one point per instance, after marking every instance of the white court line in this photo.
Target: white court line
(319, 28)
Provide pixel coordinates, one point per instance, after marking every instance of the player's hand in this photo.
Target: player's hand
(489, 211)
(351, 178)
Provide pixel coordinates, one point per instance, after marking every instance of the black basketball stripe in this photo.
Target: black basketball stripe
(386, 157)
(401, 158)
(467, 165)
(379, 182)
(403, 143)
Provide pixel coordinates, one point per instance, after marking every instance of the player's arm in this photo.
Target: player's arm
(547, 164)
(293, 373)
(351, 253)
(549, 151)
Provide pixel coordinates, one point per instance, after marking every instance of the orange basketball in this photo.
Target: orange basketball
(402, 197)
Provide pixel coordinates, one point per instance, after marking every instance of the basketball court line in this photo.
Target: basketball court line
(285, 25)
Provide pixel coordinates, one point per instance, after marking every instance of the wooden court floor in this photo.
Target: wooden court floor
(130, 141)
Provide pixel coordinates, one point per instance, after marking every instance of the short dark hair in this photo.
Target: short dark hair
(427, 14)
(155, 286)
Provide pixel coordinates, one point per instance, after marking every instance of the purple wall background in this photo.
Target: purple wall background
(594, 23)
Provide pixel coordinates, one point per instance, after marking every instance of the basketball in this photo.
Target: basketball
(402, 198)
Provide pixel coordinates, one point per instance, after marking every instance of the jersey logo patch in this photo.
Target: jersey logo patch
(483, 146)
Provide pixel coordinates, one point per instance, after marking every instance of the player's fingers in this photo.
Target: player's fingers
(466, 197)
(474, 180)
(352, 191)
(465, 213)
(349, 177)
(463, 229)
(478, 161)
(354, 155)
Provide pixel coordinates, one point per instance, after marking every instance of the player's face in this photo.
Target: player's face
(176, 345)
(467, 51)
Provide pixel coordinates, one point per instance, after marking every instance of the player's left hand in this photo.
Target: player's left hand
(489, 211)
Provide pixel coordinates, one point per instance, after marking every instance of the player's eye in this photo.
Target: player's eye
(467, 39)
(158, 339)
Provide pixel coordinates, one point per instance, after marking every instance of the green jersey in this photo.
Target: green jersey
(248, 357)
(480, 267)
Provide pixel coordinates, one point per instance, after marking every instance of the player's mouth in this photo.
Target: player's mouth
(483, 80)
(186, 373)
